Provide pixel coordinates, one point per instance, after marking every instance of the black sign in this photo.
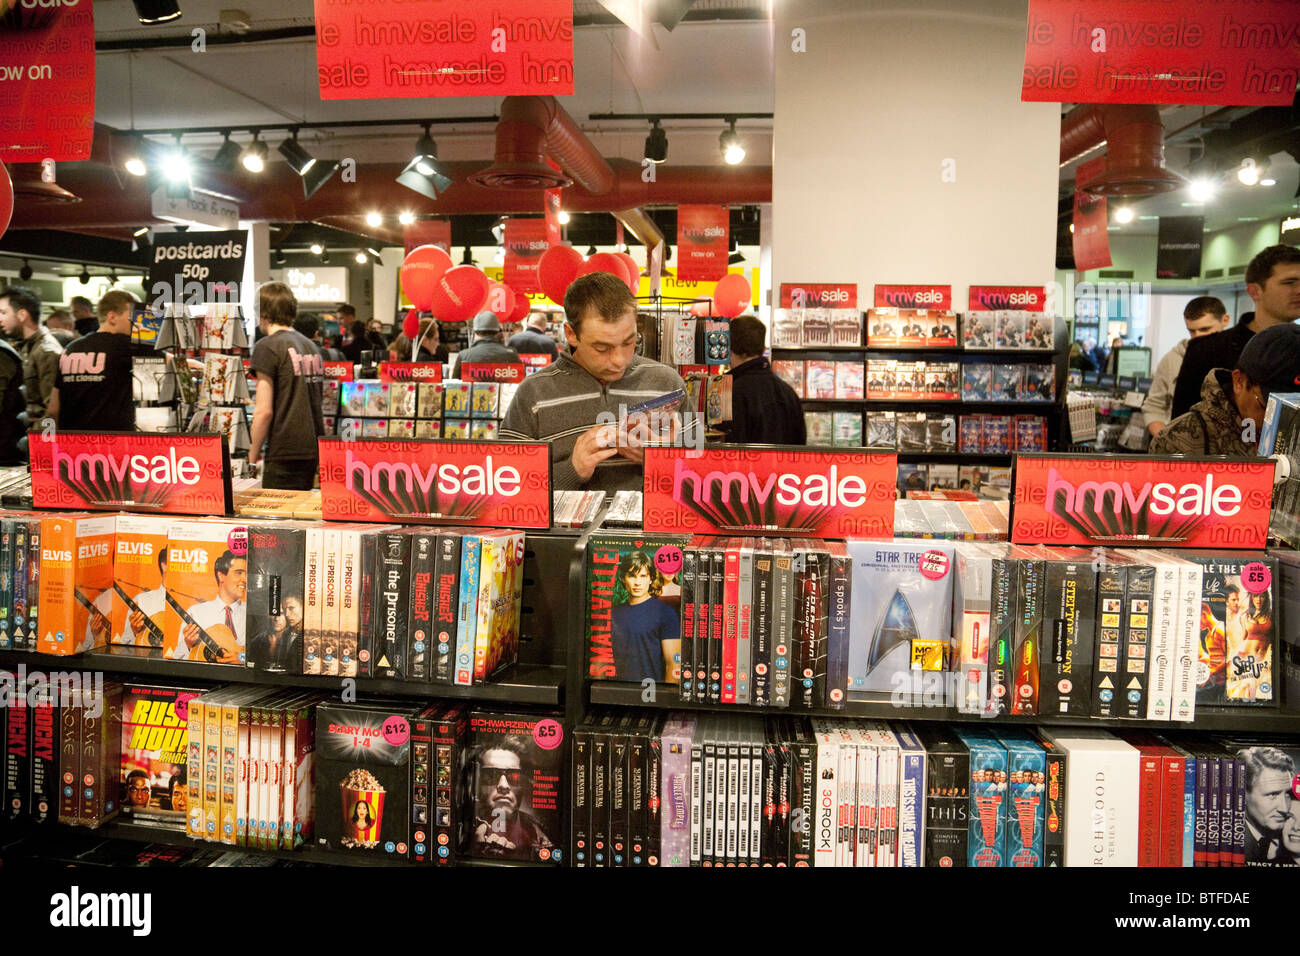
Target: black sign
(1290, 231)
(197, 267)
(1178, 248)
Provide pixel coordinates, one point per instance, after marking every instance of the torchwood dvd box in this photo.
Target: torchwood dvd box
(512, 783)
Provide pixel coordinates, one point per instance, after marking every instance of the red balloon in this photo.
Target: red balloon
(460, 294)
(731, 296)
(411, 325)
(500, 300)
(605, 262)
(522, 307)
(420, 272)
(6, 199)
(633, 271)
(558, 267)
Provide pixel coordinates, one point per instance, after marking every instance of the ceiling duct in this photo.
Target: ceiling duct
(1135, 148)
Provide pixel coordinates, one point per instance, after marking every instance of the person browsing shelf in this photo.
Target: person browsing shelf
(1273, 284)
(599, 376)
(764, 409)
(1204, 315)
(1228, 418)
(92, 390)
(287, 412)
(533, 340)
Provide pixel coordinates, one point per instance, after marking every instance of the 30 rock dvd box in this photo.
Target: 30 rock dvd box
(511, 786)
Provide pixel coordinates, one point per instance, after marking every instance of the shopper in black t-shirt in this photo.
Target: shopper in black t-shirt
(92, 391)
(287, 415)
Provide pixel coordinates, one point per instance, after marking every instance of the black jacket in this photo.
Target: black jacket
(485, 350)
(764, 409)
(1220, 350)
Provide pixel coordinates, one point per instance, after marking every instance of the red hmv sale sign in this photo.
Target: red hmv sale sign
(819, 295)
(526, 240)
(1154, 51)
(154, 474)
(47, 80)
(913, 297)
(504, 372)
(488, 484)
(391, 48)
(702, 245)
(410, 371)
(993, 298)
(828, 494)
(1141, 500)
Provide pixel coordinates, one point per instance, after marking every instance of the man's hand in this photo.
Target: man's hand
(137, 622)
(1155, 428)
(594, 445)
(191, 634)
(99, 627)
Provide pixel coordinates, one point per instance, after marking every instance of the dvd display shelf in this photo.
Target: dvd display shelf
(1207, 718)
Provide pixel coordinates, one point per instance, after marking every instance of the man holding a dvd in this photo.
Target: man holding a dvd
(585, 404)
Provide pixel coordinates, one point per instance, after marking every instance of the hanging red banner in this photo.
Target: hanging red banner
(1091, 240)
(417, 48)
(702, 243)
(427, 232)
(1197, 52)
(47, 81)
(525, 242)
(551, 209)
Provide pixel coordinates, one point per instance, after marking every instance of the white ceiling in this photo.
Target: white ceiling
(718, 66)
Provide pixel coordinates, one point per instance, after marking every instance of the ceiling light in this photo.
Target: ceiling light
(729, 143)
(176, 165)
(1071, 228)
(424, 173)
(315, 173)
(84, 276)
(1124, 214)
(317, 248)
(468, 258)
(374, 219)
(656, 144)
(406, 218)
(1201, 190)
(140, 232)
(325, 257)
(135, 158)
(25, 272)
(113, 279)
(375, 254)
(498, 230)
(563, 218)
(254, 157)
(360, 258)
(591, 250)
(227, 155)
(1248, 172)
(156, 11)
(1268, 181)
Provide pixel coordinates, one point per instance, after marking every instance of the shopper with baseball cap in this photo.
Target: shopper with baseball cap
(1228, 418)
(487, 345)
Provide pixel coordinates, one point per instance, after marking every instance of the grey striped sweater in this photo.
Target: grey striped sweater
(562, 401)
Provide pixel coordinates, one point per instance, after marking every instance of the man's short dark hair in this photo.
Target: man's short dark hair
(608, 295)
(1259, 759)
(115, 300)
(1260, 269)
(223, 563)
(509, 742)
(162, 558)
(276, 304)
(306, 325)
(1201, 305)
(748, 335)
(21, 298)
(346, 309)
(80, 301)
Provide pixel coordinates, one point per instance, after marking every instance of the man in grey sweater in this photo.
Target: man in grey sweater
(571, 402)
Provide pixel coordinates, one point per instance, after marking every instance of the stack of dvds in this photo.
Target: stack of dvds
(911, 328)
(1001, 434)
(812, 328)
(417, 604)
(1023, 331)
(936, 515)
(451, 409)
(1009, 382)
(889, 379)
(820, 379)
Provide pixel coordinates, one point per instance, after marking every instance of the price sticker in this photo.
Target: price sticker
(1256, 578)
(548, 734)
(397, 730)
